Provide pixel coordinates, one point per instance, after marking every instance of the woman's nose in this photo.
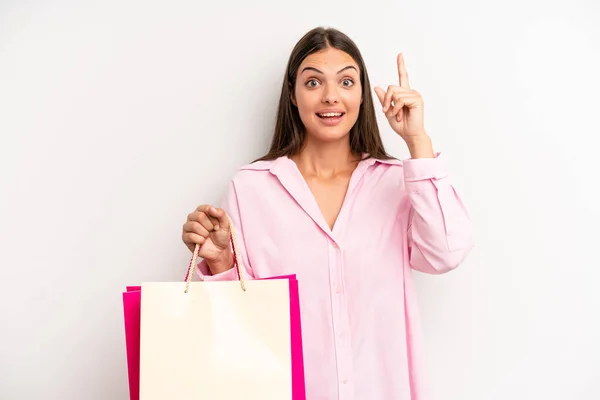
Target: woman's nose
(330, 94)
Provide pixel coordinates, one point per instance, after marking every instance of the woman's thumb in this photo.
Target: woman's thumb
(221, 216)
(380, 94)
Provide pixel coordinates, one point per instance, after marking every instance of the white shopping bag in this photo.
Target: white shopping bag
(215, 340)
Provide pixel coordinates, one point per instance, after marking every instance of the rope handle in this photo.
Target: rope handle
(236, 259)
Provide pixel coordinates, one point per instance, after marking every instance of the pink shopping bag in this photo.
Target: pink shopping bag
(131, 310)
(133, 304)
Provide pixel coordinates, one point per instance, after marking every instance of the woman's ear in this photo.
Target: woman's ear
(293, 99)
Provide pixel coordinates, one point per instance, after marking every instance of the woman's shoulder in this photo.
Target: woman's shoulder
(257, 171)
(259, 165)
(263, 165)
(388, 161)
(382, 162)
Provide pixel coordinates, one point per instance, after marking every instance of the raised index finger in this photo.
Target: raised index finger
(402, 74)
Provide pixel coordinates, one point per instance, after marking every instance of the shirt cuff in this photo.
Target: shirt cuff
(423, 174)
(204, 273)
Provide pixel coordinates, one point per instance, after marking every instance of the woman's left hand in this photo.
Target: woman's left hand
(403, 108)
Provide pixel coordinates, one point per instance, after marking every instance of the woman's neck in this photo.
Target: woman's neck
(326, 159)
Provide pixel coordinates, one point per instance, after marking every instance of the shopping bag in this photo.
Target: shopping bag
(215, 340)
(131, 310)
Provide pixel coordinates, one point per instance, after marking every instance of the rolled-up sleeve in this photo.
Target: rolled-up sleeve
(439, 227)
(231, 207)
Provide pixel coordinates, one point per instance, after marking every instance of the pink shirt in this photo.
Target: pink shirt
(360, 321)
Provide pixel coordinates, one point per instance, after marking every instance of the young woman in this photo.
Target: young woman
(328, 204)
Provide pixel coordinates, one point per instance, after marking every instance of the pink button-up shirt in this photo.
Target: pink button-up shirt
(360, 324)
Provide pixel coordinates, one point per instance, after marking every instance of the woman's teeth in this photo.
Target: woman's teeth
(330, 115)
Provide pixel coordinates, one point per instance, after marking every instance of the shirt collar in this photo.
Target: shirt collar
(284, 162)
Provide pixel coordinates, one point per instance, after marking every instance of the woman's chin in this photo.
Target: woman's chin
(329, 134)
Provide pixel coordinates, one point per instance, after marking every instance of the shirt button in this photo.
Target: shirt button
(345, 381)
(338, 290)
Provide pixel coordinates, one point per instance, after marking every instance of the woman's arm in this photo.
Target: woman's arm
(230, 206)
(439, 227)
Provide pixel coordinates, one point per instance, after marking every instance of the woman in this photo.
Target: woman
(328, 204)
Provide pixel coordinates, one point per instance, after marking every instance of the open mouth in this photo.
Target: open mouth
(331, 115)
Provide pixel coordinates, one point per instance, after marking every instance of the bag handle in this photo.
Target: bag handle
(236, 259)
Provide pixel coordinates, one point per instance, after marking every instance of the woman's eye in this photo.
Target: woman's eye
(348, 82)
(312, 83)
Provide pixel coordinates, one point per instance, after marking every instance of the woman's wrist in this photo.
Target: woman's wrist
(420, 147)
(221, 264)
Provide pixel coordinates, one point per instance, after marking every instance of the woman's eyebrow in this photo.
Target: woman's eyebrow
(321, 72)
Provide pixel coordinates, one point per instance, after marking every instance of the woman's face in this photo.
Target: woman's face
(328, 94)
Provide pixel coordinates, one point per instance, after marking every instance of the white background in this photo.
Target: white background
(117, 118)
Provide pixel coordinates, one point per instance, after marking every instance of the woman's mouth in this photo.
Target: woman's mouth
(331, 118)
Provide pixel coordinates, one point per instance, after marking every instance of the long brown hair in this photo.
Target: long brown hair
(289, 135)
